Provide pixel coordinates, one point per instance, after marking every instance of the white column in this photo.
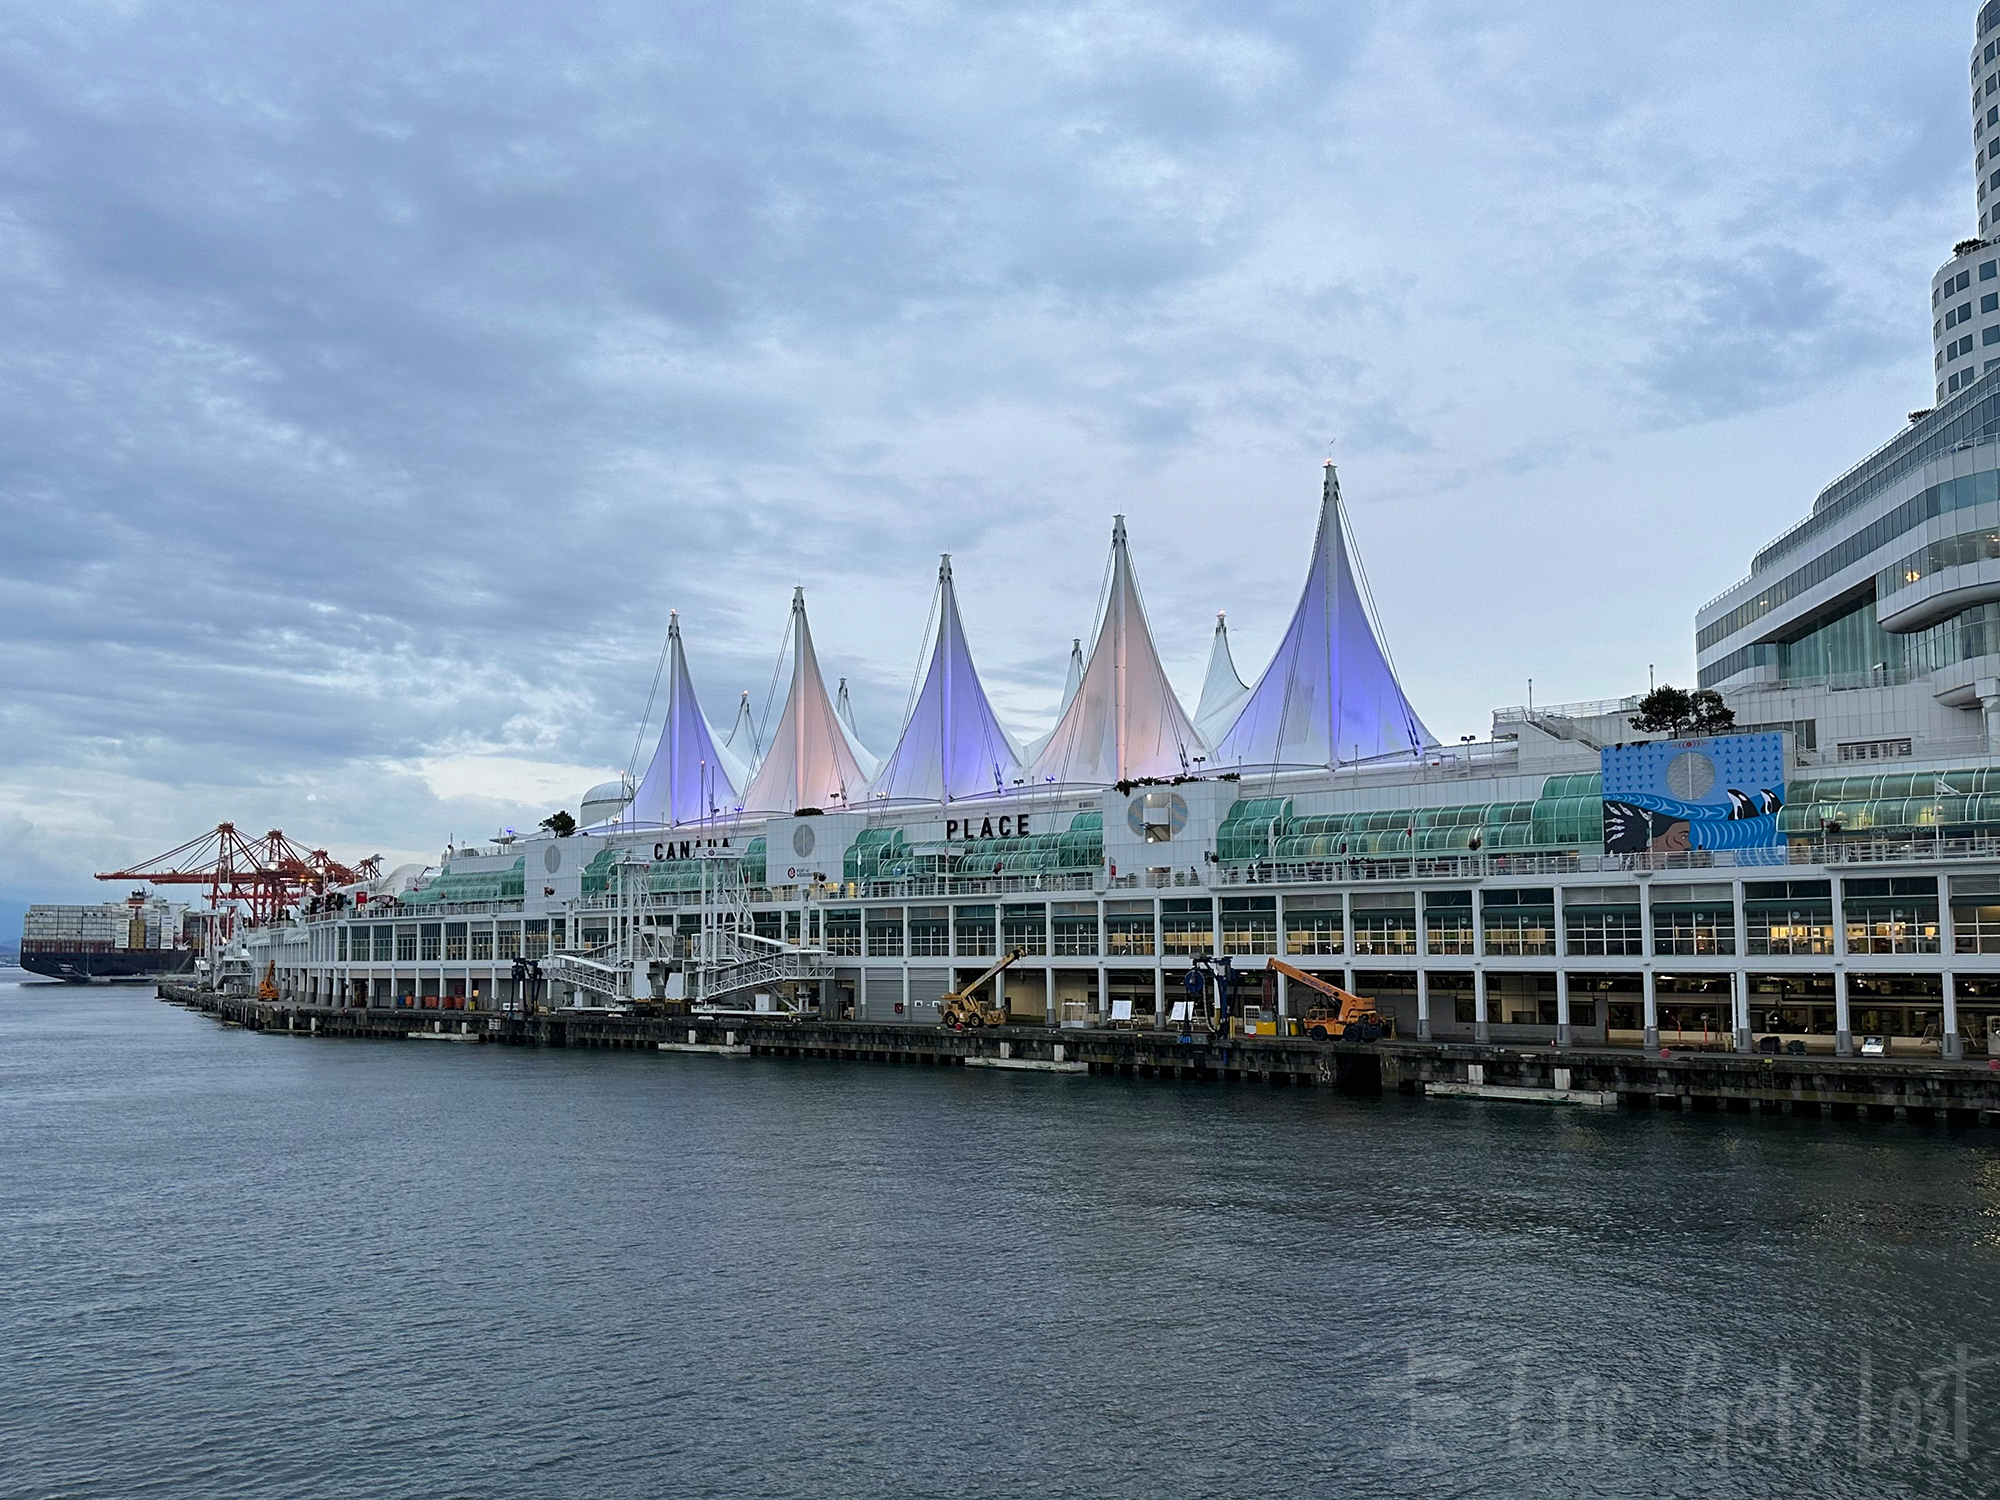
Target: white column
(1740, 999)
(1843, 1027)
(1652, 1038)
(1480, 1027)
(1562, 1005)
(1988, 689)
(1954, 1045)
(1423, 1005)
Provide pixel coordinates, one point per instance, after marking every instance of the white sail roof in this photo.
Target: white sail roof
(1033, 748)
(1222, 691)
(811, 760)
(1329, 695)
(952, 744)
(1124, 721)
(741, 741)
(1075, 679)
(690, 777)
(844, 711)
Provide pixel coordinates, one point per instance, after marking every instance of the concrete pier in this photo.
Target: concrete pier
(1819, 1086)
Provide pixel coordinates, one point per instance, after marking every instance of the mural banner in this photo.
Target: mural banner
(1713, 794)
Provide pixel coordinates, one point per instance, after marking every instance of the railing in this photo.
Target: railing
(1599, 709)
(793, 964)
(986, 885)
(1156, 879)
(390, 909)
(1483, 866)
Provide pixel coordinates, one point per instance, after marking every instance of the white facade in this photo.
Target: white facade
(1965, 291)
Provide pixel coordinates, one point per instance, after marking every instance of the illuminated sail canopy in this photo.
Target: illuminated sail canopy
(1124, 721)
(1222, 691)
(811, 760)
(691, 776)
(741, 741)
(952, 745)
(1329, 695)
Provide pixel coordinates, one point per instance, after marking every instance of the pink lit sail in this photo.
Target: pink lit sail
(810, 760)
(1124, 721)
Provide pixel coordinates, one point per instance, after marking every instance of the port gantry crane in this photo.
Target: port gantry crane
(266, 876)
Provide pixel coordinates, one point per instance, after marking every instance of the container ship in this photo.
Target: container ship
(140, 938)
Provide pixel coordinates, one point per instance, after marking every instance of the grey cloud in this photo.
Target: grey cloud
(1752, 329)
(378, 376)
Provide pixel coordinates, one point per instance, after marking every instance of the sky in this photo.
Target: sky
(375, 377)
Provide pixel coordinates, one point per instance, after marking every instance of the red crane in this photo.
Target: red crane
(268, 876)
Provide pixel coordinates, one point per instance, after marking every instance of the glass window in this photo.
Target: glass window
(1128, 928)
(1249, 924)
(535, 940)
(1793, 917)
(930, 931)
(507, 941)
(342, 952)
(885, 932)
(975, 930)
(431, 934)
(406, 945)
(1521, 922)
(1448, 922)
(843, 932)
(1385, 922)
(1025, 929)
(1975, 921)
(482, 944)
(1694, 931)
(1186, 926)
(1603, 921)
(454, 940)
(1313, 925)
(1075, 925)
(1951, 317)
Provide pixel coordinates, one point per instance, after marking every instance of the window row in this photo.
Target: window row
(434, 942)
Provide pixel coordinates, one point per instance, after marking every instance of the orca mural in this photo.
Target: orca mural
(1711, 794)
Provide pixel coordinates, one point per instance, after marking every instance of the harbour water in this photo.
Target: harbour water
(253, 1265)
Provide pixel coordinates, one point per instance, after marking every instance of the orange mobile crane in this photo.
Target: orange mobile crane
(1349, 1018)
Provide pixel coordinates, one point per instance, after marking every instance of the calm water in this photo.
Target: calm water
(237, 1265)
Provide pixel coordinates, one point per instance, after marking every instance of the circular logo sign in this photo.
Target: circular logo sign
(1690, 775)
(1157, 816)
(803, 840)
(552, 858)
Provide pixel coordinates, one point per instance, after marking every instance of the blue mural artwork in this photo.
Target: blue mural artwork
(1713, 794)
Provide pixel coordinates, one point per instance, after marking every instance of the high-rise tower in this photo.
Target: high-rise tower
(1965, 292)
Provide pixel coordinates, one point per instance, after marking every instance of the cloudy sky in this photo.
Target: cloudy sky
(374, 377)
